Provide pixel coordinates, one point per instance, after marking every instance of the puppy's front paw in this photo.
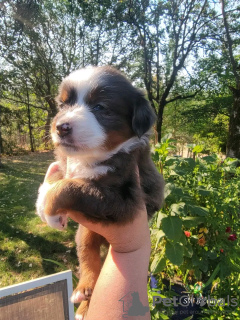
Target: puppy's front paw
(81, 293)
(58, 221)
(41, 200)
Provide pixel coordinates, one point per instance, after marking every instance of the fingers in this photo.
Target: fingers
(122, 237)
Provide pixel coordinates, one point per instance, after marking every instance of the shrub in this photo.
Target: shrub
(196, 234)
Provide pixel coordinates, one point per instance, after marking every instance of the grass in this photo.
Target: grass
(25, 241)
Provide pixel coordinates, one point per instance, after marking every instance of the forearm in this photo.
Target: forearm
(122, 274)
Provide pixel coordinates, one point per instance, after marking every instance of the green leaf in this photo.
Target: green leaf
(231, 162)
(172, 193)
(178, 208)
(166, 137)
(190, 162)
(190, 222)
(212, 255)
(171, 161)
(210, 159)
(158, 264)
(213, 276)
(174, 253)
(57, 263)
(160, 217)
(203, 265)
(198, 149)
(155, 156)
(169, 187)
(160, 235)
(163, 316)
(196, 210)
(183, 239)
(204, 192)
(235, 265)
(195, 260)
(188, 250)
(172, 227)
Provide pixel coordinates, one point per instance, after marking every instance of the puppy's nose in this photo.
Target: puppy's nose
(63, 129)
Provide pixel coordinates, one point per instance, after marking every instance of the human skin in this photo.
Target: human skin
(125, 268)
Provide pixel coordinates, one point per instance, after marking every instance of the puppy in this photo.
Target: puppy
(101, 134)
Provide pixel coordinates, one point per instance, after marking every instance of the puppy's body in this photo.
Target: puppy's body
(101, 139)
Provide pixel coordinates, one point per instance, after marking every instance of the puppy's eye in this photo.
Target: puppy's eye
(98, 107)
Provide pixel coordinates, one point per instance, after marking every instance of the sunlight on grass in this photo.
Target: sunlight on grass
(25, 240)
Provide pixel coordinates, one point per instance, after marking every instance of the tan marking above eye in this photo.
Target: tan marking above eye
(64, 95)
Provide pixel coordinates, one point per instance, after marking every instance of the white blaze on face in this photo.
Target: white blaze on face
(86, 130)
(80, 80)
(87, 134)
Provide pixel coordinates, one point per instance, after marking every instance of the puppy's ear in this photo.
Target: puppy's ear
(143, 116)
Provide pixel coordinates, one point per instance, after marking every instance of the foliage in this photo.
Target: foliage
(196, 232)
(176, 50)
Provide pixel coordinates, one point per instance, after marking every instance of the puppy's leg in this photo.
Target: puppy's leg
(88, 250)
(82, 310)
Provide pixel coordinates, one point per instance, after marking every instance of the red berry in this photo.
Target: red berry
(232, 237)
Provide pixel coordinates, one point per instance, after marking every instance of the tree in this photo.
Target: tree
(1, 144)
(233, 143)
(170, 34)
(43, 41)
(36, 49)
(157, 43)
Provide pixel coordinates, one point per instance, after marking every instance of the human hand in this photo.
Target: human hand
(125, 237)
(122, 237)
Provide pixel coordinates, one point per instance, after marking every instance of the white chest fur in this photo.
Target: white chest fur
(80, 169)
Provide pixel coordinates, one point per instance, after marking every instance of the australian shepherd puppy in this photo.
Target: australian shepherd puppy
(101, 134)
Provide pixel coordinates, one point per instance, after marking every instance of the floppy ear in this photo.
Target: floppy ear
(143, 116)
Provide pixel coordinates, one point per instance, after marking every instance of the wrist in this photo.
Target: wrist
(143, 246)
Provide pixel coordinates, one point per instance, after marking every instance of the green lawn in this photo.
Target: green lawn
(25, 241)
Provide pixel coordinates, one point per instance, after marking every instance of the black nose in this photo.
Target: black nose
(63, 129)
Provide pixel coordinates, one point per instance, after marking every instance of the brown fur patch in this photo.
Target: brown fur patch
(64, 95)
(115, 138)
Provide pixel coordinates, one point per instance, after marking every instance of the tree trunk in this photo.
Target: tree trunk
(160, 122)
(51, 113)
(233, 142)
(29, 123)
(1, 148)
(47, 136)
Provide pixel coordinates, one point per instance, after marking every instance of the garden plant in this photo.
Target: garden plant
(195, 236)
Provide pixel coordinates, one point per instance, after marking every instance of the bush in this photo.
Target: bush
(196, 234)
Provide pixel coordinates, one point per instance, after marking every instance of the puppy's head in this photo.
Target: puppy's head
(99, 109)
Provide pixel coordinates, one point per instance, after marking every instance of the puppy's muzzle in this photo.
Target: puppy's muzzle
(63, 129)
